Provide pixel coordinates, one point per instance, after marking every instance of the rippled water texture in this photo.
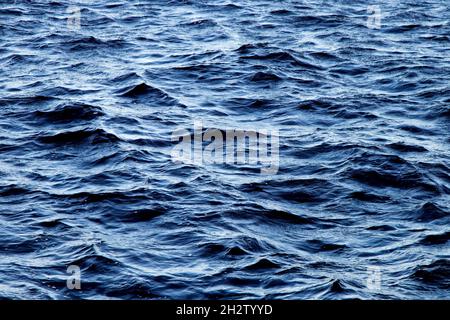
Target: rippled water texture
(85, 143)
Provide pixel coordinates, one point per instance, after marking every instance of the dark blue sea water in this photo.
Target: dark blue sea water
(359, 207)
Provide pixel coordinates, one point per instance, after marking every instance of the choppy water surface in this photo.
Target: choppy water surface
(85, 143)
